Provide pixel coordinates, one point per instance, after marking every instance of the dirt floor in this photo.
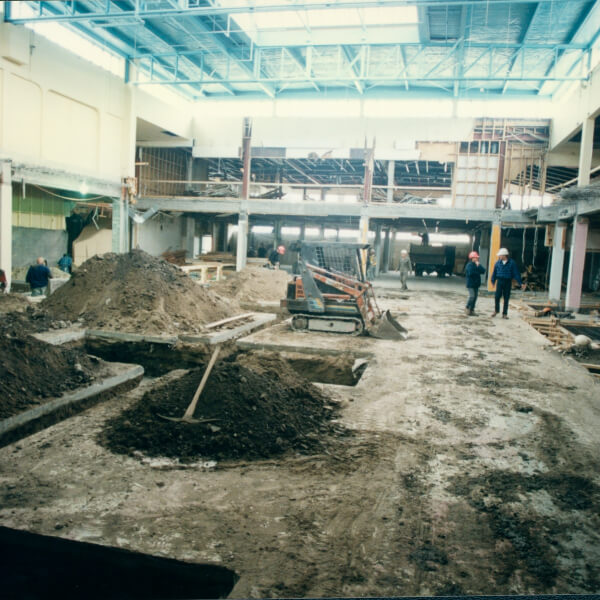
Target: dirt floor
(253, 284)
(472, 468)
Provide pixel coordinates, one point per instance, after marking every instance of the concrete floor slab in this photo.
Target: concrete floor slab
(471, 468)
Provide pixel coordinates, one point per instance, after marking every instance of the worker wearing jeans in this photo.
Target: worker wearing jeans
(505, 270)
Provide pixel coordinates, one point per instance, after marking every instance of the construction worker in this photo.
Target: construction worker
(371, 264)
(275, 257)
(505, 270)
(37, 277)
(405, 267)
(473, 274)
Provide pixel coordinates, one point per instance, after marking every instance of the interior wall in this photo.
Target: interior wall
(28, 243)
(162, 233)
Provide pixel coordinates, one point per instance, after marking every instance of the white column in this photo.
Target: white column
(576, 263)
(391, 171)
(558, 260)
(585, 152)
(242, 241)
(6, 221)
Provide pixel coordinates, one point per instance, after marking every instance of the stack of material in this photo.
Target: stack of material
(176, 257)
(137, 293)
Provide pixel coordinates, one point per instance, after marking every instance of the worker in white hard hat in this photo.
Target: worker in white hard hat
(405, 267)
(505, 270)
(473, 273)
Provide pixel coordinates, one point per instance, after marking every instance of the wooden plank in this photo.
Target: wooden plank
(228, 320)
(590, 366)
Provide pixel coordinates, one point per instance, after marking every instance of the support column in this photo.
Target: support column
(242, 236)
(190, 233)
(585, 152)
(494, 247)
(277, 233)
(558, 259)
(303, 232)
(363, 237)
(391, 180)
(6, 221)
(576, 263)
(378, 252)
(368, 182)
(385, 261)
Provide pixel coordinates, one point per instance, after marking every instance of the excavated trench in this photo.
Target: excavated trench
(158, 359)
(37, 566)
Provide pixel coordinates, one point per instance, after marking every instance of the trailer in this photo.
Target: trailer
(432, 259)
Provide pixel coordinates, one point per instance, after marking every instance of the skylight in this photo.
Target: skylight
(261, 26)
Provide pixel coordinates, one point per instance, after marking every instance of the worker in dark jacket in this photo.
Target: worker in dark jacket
(275, 257)
(505, 270)
(37, 277)
(473, 272)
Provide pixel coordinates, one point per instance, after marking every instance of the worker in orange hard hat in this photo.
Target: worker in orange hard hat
(473, 273)
(275, 257)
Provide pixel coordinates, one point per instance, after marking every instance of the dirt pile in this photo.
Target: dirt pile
(249, 413)
(254, 284)
(136, 292)
(32, 371)
(12, 302)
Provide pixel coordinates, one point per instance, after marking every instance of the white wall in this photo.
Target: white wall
(162, 233)
(59, 111)
(573, 108)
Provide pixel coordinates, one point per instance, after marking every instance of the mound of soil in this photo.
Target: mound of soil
(26, 320)
(254, 284)
(136, 292)
(32, 372)
(249, 414)
(12, 302)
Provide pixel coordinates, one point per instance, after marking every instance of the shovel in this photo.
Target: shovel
(189, 413)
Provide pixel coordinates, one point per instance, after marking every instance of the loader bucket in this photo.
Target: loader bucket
(387, 328)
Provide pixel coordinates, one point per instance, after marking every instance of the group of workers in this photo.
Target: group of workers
(505, 271)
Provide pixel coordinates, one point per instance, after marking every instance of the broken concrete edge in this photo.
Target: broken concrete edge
(170, 340)
(58, 337)
(110, 384)
(273, 347)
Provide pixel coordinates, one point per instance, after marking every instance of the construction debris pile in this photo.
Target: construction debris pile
(32, 371)
(136, 293)
(247, 411)
(254, 284)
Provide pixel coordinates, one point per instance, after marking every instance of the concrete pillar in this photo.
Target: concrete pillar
(6, 221)
(190, 232)
(242, 241)
(576, 263)
(385, 261)
(494, 247)
(277, 233)
(558, 259)
(378, 248)
(303, 231)
(120, 223)
(242, 236)
(368, 180)
(223, 239)
(391, 180)
(585, 152)
(363, 229)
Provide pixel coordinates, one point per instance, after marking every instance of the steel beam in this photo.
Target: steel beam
(141, 13)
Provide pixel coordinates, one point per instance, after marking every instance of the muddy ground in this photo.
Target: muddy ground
(472, 469)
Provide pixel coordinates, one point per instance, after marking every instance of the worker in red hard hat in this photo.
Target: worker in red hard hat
(473, 273)
(275, 257)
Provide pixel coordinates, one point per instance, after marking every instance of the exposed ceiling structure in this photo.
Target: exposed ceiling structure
(339, 48)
